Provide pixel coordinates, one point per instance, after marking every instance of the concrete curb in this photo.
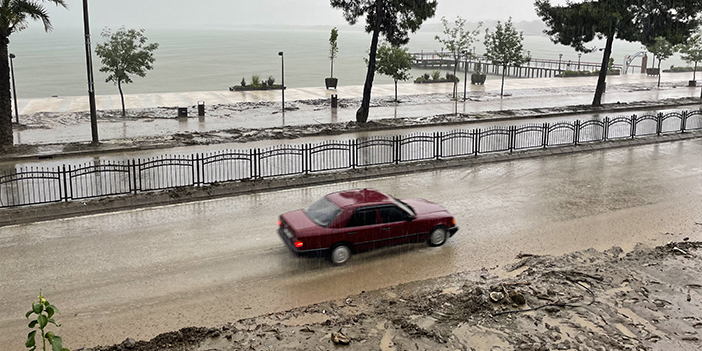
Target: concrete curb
(36, 213)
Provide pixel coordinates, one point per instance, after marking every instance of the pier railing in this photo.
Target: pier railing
(28, 186)
(536, 68)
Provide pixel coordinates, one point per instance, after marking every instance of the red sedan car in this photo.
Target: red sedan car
(347, 222)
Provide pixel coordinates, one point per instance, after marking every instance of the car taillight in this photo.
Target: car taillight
(279, 222)
(298, 244)
(453, 221)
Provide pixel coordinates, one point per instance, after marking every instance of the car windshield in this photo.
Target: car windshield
(322, 212)
(404, 206)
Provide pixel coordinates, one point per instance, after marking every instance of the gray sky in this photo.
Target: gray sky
(227, 13)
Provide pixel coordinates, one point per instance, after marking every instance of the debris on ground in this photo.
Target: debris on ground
(647, 299)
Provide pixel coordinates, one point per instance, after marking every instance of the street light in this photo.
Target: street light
(560, 56)
(14, 90)
(282, 70)
(465, 77)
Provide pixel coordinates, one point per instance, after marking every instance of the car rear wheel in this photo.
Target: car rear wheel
(340, 254)
(438, 236)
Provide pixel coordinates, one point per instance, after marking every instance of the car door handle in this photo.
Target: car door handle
(386, 229)
(351, 233)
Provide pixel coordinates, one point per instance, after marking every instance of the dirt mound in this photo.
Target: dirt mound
(648, 299)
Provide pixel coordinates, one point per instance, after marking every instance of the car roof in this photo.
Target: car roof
(348, 198)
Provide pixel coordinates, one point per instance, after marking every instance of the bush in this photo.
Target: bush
(436, 75)
(271, 81)
(451, 78)
(420, 79)
(426, 76)
(255, 80)
(243, 82)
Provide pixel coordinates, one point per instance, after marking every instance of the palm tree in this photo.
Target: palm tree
(14, 15)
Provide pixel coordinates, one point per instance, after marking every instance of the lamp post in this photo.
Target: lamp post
(465, 77)
(529, 55)
(14, 90)
(579, 56)
(282, 73)
(560, 56)
(91, 78)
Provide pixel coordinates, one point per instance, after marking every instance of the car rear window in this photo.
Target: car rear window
(322, 212)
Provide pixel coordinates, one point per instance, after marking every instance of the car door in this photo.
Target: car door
(395, 227)
(363, 229)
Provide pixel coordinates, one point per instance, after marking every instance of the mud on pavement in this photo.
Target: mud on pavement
(648, 299)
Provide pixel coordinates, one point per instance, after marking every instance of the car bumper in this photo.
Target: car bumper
(293, 249)
(453, 230)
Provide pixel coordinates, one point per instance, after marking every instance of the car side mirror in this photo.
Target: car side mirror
(409, 218)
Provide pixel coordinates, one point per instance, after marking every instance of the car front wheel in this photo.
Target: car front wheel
(340, 254)
(438, 236)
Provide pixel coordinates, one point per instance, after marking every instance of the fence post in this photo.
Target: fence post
(65, 182)
(605, 133)
(576, 133)
(476, 141)
(544, 140)
(398, 152)
(305, 158)
(196, 169)
(633, 126)
(136, 186)
(354, 152)
(683, 121)
(512, 135)
(436, 146)
(659, 126)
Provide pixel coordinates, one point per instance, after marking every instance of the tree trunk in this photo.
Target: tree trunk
(395, 90)
(332, 69)
(502, 88)
(121, 95)
(362, 113)
(597, 101)
(6, 138)
(455, 83)
(659, 73)
(694, 72)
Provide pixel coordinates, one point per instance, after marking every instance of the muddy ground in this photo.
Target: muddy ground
(647, 299)
(253, 110)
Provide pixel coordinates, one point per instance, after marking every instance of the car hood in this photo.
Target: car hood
(299, 222)
(424, 207)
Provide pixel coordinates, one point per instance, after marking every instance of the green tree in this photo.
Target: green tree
(504, 48)
(456, 42)
(14, 16)
(395, 62)
(333, 48)
(575, 24)
(691, 51)
(124, 53)
(394, 19)
(663, 50)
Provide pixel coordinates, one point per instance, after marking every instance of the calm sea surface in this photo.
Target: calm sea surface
(49, 64)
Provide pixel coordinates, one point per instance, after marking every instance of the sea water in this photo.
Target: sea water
(54, 63)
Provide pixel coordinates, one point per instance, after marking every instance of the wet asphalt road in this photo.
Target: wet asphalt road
(142, 272)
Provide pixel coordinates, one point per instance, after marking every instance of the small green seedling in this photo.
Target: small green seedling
(44, 311)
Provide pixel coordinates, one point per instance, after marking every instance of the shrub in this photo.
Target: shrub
(255, 80)
(436, 75)
(478, 67)
(271, 81)
(420, 79)
(426, 76)
(243, 82)
(451, 78)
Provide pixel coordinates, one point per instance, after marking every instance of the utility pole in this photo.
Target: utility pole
(91, 82)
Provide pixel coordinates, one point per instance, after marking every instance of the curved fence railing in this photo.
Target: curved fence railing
(28, 186)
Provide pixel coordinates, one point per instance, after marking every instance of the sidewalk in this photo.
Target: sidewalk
(513, 86)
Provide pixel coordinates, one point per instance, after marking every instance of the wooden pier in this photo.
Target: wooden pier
(536, 68)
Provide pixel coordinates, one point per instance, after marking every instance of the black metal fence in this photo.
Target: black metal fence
(99, 179)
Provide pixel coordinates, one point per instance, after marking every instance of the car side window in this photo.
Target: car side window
(392, 214)
(362, 217)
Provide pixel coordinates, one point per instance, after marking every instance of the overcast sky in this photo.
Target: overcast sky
(225, 13)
